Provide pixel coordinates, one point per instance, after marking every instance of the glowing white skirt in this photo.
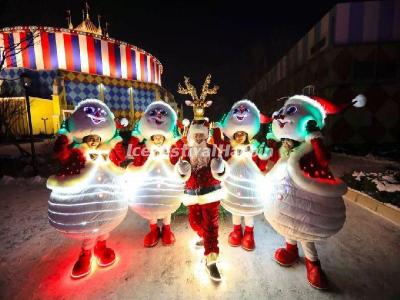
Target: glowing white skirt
(242, 187)
(156, 190)
(89, 204)
(302, 214)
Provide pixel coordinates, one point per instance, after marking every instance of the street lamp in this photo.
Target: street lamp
(26, 83)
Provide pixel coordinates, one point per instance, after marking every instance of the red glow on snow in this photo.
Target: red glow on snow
(57, 282)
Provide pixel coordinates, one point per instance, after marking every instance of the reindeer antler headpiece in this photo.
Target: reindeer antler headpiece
(198, 104)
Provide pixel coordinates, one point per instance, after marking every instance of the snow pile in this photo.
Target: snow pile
(385, 182)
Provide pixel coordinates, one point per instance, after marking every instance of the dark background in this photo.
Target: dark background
(235, 42)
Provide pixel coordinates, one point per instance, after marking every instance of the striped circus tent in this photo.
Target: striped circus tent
(71, 50)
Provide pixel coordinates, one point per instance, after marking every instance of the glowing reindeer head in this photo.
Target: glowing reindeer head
(198, 103)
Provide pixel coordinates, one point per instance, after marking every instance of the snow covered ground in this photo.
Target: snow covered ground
(361, 261)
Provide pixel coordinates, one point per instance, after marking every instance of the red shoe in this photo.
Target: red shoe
(151, 239)
(82, 266)
(288, 256)
(105, 256)
(168, 237)
(316, 277)
(248, 242)
(235, 237)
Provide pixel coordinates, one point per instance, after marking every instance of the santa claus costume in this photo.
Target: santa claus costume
(306, 203)
(203, 190)
(247, 160)
(86, 202)
(159, 187)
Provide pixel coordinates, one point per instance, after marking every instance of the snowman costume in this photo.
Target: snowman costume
(305, 202)
(86, 202)
(160, 187)
(246, 164)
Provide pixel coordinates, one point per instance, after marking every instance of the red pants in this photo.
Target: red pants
(204, 220)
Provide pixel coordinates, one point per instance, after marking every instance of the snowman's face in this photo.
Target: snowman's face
(243, 116)
(158, 118)
(92, 118)
(291, 121)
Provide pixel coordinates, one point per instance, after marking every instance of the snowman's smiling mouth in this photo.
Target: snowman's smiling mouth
(240, 117)
(282, 123)
(96, 120)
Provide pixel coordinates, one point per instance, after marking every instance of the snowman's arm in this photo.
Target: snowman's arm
(222, 143)
(118, 154)
(61, 148)
(322, 155)
(137, 152)
(176, 151)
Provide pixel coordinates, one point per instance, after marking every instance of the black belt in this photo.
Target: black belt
(203, 191)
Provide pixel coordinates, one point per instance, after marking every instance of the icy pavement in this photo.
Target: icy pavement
(362, 261)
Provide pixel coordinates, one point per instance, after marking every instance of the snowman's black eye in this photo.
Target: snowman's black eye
(103, 113)
(235, 111)
(291, 110)
(152, 113)
(163, 112)
(89, 109)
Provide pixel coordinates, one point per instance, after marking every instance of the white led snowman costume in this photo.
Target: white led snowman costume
(89, 203)
(246, 164)
(160, 187)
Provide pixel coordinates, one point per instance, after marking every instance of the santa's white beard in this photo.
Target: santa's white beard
(199, 155)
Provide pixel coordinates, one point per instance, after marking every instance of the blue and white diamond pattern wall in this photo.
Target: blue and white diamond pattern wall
(78, 91)
(142, 98)
(117, 98)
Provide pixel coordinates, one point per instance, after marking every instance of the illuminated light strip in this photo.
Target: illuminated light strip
(256, 200)
(86, 203)
(138, 66)
(60, 50)
(65, 197)
(244, 179)
(239, 186)
(111, 59)
(37, 46)
(156, 195)
(124, 69)
(81, 223)
(81, 204)
(164, 190)
(151, 204)
(244, 197)
(100, 186)
(105, 58)
(18, 56)
(1, 43)
(86, 212)
(83, 53)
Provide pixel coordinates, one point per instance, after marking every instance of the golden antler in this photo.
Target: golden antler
(206, 90)
(189, 90)
(198, 104)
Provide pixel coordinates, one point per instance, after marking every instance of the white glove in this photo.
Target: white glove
(217, 165)
(184, 167)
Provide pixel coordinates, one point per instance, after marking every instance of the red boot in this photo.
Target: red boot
(235, 237)
(168, 237)
(105, 256)
(316, 277)
(151, 239)
(248, 242)
(82, 266)
(287, 257)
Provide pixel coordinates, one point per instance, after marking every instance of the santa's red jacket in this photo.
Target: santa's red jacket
(201, 187)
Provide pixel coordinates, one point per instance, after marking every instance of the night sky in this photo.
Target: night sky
(236, 43)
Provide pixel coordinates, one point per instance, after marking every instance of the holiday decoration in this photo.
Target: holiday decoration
(246, 160)
(304, 202)
(159, 187)
(203, 190)
(86, 202)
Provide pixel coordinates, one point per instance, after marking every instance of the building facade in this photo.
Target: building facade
(69, 65)
(354, 48)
